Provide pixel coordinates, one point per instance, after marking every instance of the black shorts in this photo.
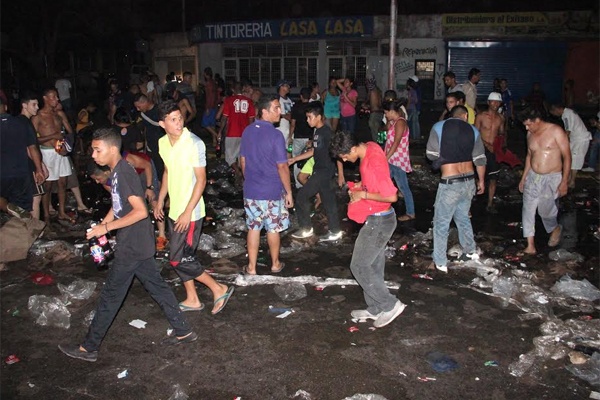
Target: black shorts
(18, 191)
(182, 250)
(492, 167)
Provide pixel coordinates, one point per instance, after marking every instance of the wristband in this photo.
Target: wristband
(106, 227)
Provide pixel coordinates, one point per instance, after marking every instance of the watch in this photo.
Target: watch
(151, 187)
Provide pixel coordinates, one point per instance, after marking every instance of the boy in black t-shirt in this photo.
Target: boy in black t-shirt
(134, 253)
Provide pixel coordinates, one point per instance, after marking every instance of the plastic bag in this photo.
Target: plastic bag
(360, 396)
(579, 290)
(564, 255)
(291, 291)
(78, 289)
(590, 371)
(49, 311)
(178, 393)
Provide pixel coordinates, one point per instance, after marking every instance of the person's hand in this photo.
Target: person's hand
(183, 222)
(291, 160)
(480, 186)
(562, 189)
(289, 200)
(341, 180)
(158, 211)
(150, 195)
(39, 177)
(521, 185)
(96, 231)
(356, 195)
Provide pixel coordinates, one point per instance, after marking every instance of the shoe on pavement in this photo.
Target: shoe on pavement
(173, 340)
(464, 257)
(386, 317)
(73, 351)
(331, 236)
(363, 314)
(303, 233)
(442, 268)
(17, 211)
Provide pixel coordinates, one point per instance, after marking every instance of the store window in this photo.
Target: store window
(425, 69)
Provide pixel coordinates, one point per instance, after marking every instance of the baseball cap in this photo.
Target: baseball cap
(495, 96)
(414, 78)
(282, 82)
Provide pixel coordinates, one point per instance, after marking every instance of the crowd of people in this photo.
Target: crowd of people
(150, 158)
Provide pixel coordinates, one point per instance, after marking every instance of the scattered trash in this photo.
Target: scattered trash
(302, 395)
(49, 311)
(122, 374)
(565, 255)
(79, 289)
(178, 393)
(441, 362)
(138, 323)
(12, 359)
(422, 276)
(579, 290)
(284, 315)
(318, 282)
(360, 396)
(319, 288)
(291, 291)
(55, 251)
(491, 363)
(403, 247)
(590, 371)
(279, 310)
(576, 357)
(425, 378)
(39, 278)
(594, 395)
(353, 329)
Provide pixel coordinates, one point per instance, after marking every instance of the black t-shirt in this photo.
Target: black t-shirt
(134, 242)
(16, 135)
(130, 135)
(302, 129)
(153, 132)
(324, 164)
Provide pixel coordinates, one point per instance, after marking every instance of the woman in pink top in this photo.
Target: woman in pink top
(396, 151)
(348, 101)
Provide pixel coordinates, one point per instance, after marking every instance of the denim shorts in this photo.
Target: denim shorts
(269, 214)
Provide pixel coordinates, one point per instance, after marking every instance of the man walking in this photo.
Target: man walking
(134, 255)
(370, 204)
(267, 186)
(184, 179)
(469, 88)
(545, 177)
(454, 146)
(579, 138)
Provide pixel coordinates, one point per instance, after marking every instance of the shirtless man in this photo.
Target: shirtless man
(48, 124)
(491, 124)
(545, 177)
(374, 105)
(188, 112)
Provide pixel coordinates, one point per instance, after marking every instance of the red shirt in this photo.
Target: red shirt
(238, 109)
(375, 178)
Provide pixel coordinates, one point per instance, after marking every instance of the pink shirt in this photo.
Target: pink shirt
(347, 109)
(401, 157)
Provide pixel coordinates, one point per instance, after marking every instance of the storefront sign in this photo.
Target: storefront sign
(495, 19)
(308, 28)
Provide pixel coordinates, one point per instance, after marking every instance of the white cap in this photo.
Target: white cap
(495, 96)
(414, 78)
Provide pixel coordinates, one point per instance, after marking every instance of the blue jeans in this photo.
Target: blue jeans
(452, 201)
(348, 123)
(117, 284)
(368, 261)
(413, 124)
(593, 160)
(401, 179)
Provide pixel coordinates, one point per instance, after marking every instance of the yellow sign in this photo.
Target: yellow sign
(495, 19)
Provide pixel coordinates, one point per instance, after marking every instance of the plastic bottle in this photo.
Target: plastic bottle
(218, 150)
(290, 148)
(97, 253)
(105, 244)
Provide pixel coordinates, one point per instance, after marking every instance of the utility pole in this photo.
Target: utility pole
(393, 24)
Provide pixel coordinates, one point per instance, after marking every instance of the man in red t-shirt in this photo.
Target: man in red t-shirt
(238, 112)
(370, 203)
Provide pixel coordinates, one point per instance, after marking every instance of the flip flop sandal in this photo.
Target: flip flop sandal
(224, 299)
(281, 267)
(185, 308)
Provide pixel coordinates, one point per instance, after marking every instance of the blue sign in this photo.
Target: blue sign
(304, 28)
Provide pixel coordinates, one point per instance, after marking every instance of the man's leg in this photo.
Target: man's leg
(113, 293)
(444, 208)
(46, 201)
(277, 219)
(252, 244)
(62, 197)
(297, 146)
(329, 201)
(491, 192)
(303, 201)
(367, 266)
(461, 216)
(182, 259)
(274, 242)
(215, 287)
(530, 204)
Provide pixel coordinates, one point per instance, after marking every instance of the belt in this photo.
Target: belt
(382, 213)
(450, 181)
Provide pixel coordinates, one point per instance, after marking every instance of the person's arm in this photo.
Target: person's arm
(433, 145)
(102, 227)
(284, 174)
(140, 163)
(480, 162)
(340, 84)
(303, 156)
(292, 128)
(526, 168)
(36, 157)
(162, 195)
(352, 99)
(243, 165)
(222, 126)
(341, 180)
(65, 122)
(191, 111)
(109, 223)
(183, 222)
(565, 151)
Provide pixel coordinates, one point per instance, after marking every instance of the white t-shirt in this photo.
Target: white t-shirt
(575, 125)
(63, 86)
(284, 124)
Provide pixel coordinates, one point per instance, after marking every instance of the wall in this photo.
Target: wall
(583, 66)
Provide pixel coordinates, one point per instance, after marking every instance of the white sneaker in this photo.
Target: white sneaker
(464, 257)
(441, 268)
(388, 316)
(331, 237)
(363, 314)
(303, 233)
(17, 211)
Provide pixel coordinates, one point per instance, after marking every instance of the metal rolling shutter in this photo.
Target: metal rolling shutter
(522, 63)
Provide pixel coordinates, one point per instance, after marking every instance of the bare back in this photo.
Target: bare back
(375, 100)
(546, 148)
(490, 125)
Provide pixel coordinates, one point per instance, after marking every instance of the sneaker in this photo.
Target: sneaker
(363, 314)
(388, 316)
(73, 351)
(587, 169)
(331, 236)
(441, 268)
(161, 243)
(17, 211)
(303, 233)
(464, 257)
(174, 340)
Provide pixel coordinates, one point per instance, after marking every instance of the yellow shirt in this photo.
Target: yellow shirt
(189, 152)
(471, 114)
